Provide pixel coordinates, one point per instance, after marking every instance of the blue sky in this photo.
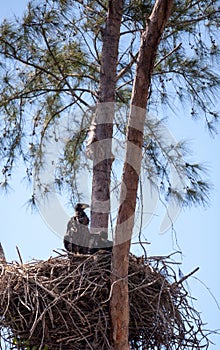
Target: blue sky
(198, 229)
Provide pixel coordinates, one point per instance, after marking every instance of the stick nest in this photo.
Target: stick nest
(63, 303)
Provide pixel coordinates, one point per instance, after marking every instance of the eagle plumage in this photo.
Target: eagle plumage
(76, 239)
(100, 242)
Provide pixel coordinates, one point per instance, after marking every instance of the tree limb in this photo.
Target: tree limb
(167, 55)
(125, 69)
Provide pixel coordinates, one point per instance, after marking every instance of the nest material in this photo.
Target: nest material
(63, 303)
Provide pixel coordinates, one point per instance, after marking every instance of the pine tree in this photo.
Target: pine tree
(88, 58)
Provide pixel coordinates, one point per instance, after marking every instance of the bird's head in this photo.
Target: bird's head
(81, 206)
(103, 235)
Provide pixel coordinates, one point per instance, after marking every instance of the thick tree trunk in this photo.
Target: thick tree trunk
(119, 305)
(104, 119)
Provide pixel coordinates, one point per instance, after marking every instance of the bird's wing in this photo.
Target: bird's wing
(84, 236)
(77, 233)
(72, 231)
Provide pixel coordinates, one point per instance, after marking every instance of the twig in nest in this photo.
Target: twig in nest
(19, 255)
(187, 276)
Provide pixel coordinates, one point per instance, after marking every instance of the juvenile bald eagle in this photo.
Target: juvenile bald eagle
(76, 239)
(100, 242)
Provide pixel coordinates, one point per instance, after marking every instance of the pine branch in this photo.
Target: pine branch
(125, 69)
(167, 55)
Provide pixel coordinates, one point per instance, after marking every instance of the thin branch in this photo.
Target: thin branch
(51, 119)
(19, 255)
(141, 223)
(26, 62)
(125, 69)
(102, 5)
(59, 68)
(131, 31)
(88, 45)
(209, 291)
(124, 84)
(167, 55)
(185, 277)
(96, 49)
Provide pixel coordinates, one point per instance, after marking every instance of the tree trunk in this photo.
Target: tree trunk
(104, 119)
(119, 304)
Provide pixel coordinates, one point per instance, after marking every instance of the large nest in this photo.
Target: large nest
(63, 303)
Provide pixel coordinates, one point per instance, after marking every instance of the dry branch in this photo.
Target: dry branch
(63, 303)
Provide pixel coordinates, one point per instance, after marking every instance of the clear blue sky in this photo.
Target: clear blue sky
(198, 229)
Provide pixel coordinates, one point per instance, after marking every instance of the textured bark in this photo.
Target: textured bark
(119, 305)
(104, 121)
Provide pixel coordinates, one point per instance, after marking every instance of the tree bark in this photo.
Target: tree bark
(119, 304)
(104, 119)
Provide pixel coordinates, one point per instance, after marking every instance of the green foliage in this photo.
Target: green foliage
(166, 168)
(50, 63)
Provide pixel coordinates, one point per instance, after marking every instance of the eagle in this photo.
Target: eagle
(76, 238)
(100, 242)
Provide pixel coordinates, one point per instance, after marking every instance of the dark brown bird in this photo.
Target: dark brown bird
(100, 242)
(76, 239)
(80, 216)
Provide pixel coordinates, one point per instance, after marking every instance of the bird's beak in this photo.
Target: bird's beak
(84, 206)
